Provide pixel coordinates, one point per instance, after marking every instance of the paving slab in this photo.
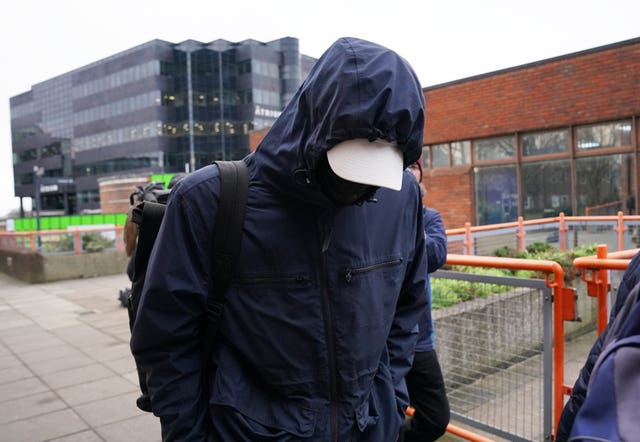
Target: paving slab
(66, 371)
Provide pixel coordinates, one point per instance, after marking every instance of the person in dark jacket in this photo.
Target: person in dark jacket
(427, 391)
(630, 278)
(320, 320)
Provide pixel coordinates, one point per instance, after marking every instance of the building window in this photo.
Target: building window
(244, 67)
(597, 136)
(496, 194)
(546, 188)
(426, 156)
(440, 155)
(603, 183)
(447, 154)
(542, 143)
(460, 153)
(498, 148)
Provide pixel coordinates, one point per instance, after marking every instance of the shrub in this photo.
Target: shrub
(94, 242)
(447, 292)
(538, 247)
(63, 243)
(544, 251)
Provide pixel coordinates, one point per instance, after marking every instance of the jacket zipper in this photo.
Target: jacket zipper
(349, 273)
(328, 327)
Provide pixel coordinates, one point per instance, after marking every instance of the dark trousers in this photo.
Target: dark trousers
(428, 397)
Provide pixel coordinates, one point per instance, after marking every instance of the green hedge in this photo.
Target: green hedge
(447, 292)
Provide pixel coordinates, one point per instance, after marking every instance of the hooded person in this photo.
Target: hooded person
(320, 318)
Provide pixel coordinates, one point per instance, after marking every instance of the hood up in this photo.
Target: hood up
(357, 89)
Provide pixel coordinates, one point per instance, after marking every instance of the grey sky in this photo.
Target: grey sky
(444, 40)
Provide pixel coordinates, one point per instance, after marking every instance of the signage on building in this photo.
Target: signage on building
(53, 185)
(262, 112)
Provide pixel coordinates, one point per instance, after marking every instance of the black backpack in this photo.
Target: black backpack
(153, 191)
(227, 235)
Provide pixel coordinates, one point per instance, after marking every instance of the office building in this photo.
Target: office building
(159, 107)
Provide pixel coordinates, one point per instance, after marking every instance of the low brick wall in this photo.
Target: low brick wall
(37, 268)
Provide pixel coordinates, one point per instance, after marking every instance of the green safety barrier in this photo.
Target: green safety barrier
(62, 222)
(163, 178)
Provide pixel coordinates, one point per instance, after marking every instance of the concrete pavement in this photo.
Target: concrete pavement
(66, 371)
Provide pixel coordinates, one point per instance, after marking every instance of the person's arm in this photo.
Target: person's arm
(166, 338)
(436, 239)
(411, 303)
(130, 233)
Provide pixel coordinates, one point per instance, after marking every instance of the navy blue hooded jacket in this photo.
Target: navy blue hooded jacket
(320, 321)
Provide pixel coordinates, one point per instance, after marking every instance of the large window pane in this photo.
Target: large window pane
(440, 155)
(426, 157)
(545, 142)
(602, 183)
(496, 194)
(494, 148)
(604, 135)
(546, 189)
(461, 153)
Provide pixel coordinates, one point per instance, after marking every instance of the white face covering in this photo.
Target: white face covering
(377, 163)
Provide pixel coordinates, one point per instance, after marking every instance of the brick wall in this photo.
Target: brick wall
(450, 192)
(115, 191)
(591, 86)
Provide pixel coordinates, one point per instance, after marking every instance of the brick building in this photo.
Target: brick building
(557, 135)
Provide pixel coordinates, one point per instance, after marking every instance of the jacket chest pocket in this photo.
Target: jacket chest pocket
(367, 295)
(385, 268)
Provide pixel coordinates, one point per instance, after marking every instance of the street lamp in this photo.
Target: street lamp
(38, 172)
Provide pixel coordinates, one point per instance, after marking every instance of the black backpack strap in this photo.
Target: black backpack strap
(234, 183)
(151, 213)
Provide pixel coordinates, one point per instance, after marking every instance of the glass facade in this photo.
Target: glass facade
(541, 174)
(156, 108)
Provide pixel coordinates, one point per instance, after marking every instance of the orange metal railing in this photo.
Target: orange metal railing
(458, 431)
(30, 240)
(560, 221)
(611, 207)
(27, 240)
(563, 308)
(595, 274)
